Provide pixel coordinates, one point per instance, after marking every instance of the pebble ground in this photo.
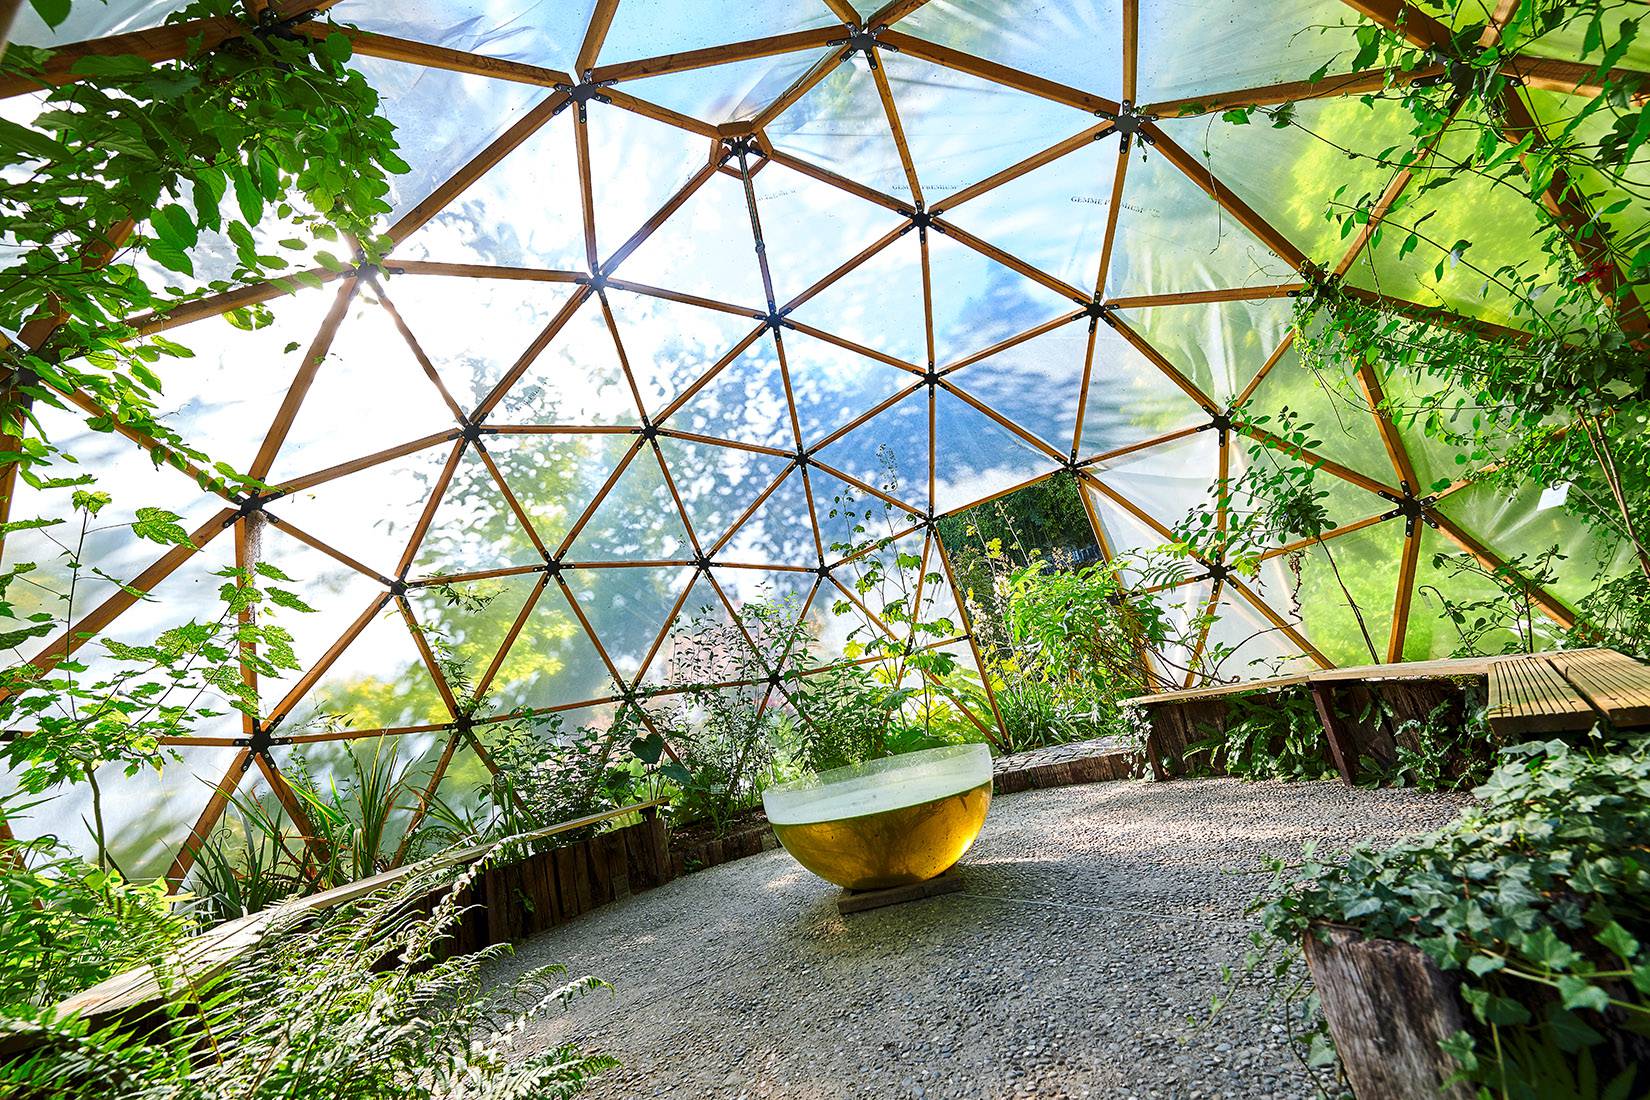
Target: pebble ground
(1077, 961)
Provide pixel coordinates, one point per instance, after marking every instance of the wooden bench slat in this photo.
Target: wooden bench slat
(1527, 695)
(1615, 684)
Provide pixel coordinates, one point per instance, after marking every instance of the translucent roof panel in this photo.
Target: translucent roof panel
(696, 325)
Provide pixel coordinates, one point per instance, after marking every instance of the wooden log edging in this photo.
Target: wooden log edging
(508, 902)
(701, 854)
(1107, 766)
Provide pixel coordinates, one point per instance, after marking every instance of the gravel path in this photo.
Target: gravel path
(1093, 922)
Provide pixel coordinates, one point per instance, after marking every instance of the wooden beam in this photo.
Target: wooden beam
(816, 38)
(997, 74)
(1364, 82)
(601, 21)
(302, 380)
(390, 48)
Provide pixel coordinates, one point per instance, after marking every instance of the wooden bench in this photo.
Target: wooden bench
(1527, 694)
(1568, 691)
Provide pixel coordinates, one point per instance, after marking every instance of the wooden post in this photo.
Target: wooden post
(1343, 746)
(1388, 1008)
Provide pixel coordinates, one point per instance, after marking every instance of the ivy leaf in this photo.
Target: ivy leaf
(1580, 993)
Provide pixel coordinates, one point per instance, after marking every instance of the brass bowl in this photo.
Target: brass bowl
(888, 822)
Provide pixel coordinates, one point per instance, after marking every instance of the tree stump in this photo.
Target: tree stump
(1388, 1008)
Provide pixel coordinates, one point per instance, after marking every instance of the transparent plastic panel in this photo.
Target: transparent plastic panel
(188, 594)
(851, 518)
(1344, 588)
(830, 386)
(87, 21)
(1444, 589)
(975, 457)
(781, 530)
(636, 521)
(1244, 644)
(442, 120)
(782, 591)
(734, 92)
(103, 542)
(702, 644)
(1168, 481)
(1342, 501)
(539, 32)
(1331, 407)
(961, 129)
(379, 681)
(669, 345)
(1232, 44)
(1182, 607)
(1036, 383)
(474, 527)
(1504, 236)
(553, 661)
(556, 476)
(577, 379)
(651, 28)
(628, 608)
(1568, 42)
(1218, 346)
(1129, 540)
(1292, 176)
(466, 625)
(979, 302)
(1554, 112)
(878, 304)
(1130, 400)
(146, 816)
(889, 451)
(1172, 237)
(336, 592)
(841, 125)
(547, 232)
(474, 330)
(704, 248)
(370, 514)
(222, 399)
(744, 401)
(1532, 530)
(1053, 218)
(717, 484)
(811, 228)
(1033, 37)
(636, 165)
(370, 376)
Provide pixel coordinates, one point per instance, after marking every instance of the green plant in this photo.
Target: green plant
(66, 925)
(70, 716)
(358, 1003)
(1536, 899)
(1277, 736)
(1505, 620)
(271, 125)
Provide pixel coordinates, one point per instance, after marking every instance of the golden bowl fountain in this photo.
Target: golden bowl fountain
(888, 822)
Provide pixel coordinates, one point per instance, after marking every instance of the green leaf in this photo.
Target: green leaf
(175, 227)
(1578, 992)
(32, 144)
(51, 12)
(159, 525)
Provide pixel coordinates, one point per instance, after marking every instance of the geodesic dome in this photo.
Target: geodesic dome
(676, 284)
